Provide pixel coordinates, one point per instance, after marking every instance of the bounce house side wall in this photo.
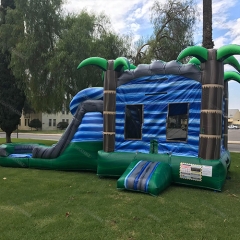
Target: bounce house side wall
(77, 156)
(200, 173)
(211, 111)
(6, 149)
(14, 162)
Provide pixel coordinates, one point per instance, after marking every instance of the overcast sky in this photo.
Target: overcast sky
(132, 16)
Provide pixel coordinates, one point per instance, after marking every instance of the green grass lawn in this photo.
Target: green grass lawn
(41, 204)
(21, 140)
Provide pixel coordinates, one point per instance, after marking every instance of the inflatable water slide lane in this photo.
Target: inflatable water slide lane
(76, 150)
(146, 176)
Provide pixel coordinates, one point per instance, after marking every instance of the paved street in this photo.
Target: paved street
(234, 140)
(234, 135)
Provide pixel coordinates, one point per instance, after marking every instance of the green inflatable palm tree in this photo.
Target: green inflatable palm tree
(211, 62)
(112, 68)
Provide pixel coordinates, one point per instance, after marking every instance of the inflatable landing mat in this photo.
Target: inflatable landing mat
(146, 176)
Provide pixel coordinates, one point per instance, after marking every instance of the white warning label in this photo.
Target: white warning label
(206, 171)
(191, 171)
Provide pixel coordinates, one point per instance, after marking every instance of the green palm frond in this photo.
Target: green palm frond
(231, 75)
(233, 62)
(121, 62)
(198, 52)
(195, 61)
(227, 51)
(96, 61)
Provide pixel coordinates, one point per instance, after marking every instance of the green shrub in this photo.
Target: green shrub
(62, 125)
(35, 123)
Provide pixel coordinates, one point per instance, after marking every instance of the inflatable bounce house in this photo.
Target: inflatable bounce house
(150, 125)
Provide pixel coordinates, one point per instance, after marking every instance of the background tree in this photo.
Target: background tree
(47, 47)
(173, 23)
(27, 108)
(207, 24)
(36, 27)
(85, 35)
(11, 97)
(7, 3)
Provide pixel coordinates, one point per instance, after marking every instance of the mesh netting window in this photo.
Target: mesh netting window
(133, 122)
(177, 122)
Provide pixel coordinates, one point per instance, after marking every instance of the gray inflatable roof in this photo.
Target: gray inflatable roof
(161, 68)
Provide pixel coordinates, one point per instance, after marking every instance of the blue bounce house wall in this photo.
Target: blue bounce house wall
(155, 93)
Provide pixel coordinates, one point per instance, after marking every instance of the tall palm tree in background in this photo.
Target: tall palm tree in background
(207, 25)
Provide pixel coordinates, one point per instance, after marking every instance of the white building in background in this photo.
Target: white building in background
(49, 121)
(234, 117)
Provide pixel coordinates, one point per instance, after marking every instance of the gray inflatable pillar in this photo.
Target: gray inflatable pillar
(109, 108)
(211, 110)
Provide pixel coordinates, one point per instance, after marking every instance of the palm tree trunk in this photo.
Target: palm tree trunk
(207, 24)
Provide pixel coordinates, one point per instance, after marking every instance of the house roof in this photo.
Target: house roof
(232, 112)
